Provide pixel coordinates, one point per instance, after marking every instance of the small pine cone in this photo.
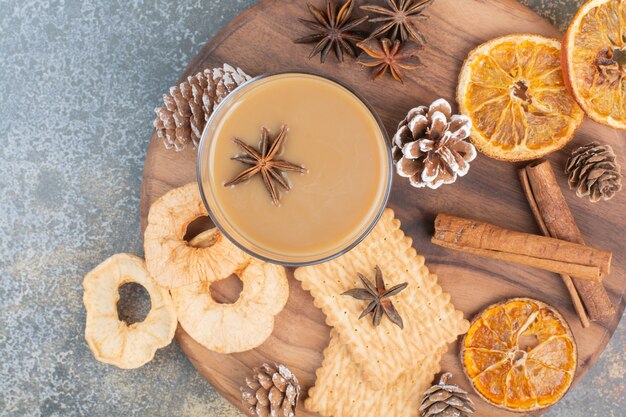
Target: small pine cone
(446, 400)
(271, 391)
(593, 170)
(187, 108)
(430, 146)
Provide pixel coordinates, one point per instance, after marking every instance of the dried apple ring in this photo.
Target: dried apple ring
(237, 327)
(113, 341)
(174, 262)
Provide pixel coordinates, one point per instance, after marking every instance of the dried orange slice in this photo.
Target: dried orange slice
(594, 60)
(520, 355)
(513, 90)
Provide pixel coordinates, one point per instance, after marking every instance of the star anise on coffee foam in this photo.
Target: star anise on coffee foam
(263, 162)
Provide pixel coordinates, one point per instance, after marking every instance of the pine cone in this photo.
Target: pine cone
(446, 400)
(272, 391)
(430, 146)
(593, 170)
(188, 106)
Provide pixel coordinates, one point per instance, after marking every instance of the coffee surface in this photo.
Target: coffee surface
(332, 134)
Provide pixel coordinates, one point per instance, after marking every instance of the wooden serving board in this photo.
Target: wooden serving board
(260, 41)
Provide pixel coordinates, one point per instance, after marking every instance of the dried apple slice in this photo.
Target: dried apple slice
(174, 262)
(114, 341)
(237, 327)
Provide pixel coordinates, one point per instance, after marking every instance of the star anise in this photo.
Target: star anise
(263, 162)
(333, 30)
(384, 54)
(398, 19)
(379, 299)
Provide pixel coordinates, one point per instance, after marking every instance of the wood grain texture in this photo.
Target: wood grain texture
(260, 41)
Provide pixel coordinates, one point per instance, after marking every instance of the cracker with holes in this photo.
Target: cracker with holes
(174, 262)
(111, 340)
(237, 327)
(340, 390)
(428, 322)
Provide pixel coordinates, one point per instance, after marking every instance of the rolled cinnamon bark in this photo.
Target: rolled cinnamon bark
(560, 223)
(567, 280)
(542, 252)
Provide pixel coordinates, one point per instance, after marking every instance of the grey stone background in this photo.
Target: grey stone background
(78, 82)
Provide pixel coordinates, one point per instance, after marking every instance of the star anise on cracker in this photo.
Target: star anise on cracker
(398, 19)
(382, 55)
(379, 298)
(263, 162)
(333, 30)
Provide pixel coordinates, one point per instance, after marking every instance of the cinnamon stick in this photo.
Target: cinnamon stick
(567, 280)
(560, 223)
(539, 251)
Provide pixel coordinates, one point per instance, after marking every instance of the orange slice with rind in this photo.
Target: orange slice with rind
(512, 89)
(594, 60)
(520, 355)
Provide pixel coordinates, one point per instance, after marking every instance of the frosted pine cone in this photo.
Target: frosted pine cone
(446, 400)
(271, 391)
(593, 171)
(430, 146)
(189, 105)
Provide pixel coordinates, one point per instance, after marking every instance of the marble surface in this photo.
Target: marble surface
(78, 82)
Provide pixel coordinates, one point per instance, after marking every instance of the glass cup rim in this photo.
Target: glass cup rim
(203, 142)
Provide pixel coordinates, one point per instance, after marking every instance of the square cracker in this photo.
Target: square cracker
(340, 390)
(385, 351)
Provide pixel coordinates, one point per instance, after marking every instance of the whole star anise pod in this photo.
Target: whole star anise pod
(263, 162)
(333, 30)
(384, 54)
(379, 298)
(398, 19)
